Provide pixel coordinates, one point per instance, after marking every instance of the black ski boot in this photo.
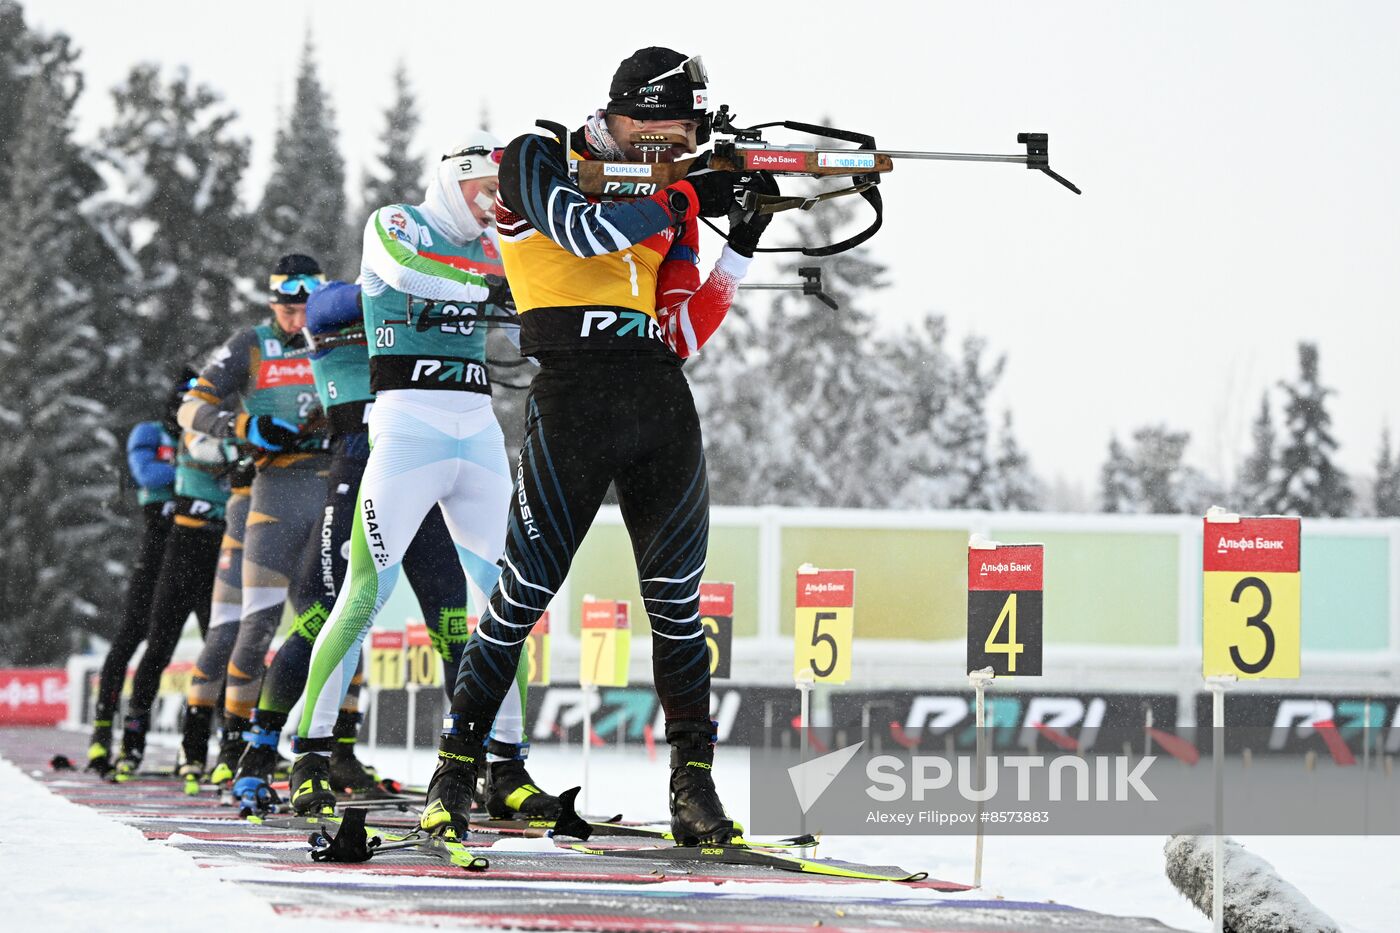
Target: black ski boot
(349, 775)
(697, 816)
(252, 781)
(99, 755)
(194, 746)
(510, 791)
(133, 747)
(310, 781)
(447, 812)
(230, 749)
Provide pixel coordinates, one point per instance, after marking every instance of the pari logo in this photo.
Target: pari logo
(629, 188)
(463, 371)
(638, 323)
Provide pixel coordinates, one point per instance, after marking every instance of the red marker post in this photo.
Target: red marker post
(717, 618)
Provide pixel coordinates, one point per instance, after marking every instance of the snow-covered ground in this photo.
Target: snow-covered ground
(1356, 881)
(67, 867)
(72, 868)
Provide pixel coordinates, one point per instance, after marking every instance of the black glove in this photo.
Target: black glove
(713, 189)
(241, 473)
(498, 293)
(746, 227)
(267, 432)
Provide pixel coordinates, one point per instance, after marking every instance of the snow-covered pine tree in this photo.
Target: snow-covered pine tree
(1016, 487)
(1308, 482)
(397, 175)
(1157, 463)
(743, 419)
(172, 213)
(1257, 475)
(1387, 488)
(24, 55)
(918, 468)
(59, 540)
(966, 434)
(303, 207)
(831, 434)
(1119, 489)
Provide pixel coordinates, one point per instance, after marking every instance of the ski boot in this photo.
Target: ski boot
(133, 747)
(230, 748)
(310, 782)
(252, 783)
(349, 775)
(448, 809)
(99, 754)
(194, 746)
(510, 791)
(697, 816)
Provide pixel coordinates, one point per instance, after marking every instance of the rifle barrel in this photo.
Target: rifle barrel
(949, 156)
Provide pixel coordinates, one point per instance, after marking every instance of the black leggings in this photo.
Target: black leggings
(597, 419)
(430, 565)
(141, 587)
(186, 585)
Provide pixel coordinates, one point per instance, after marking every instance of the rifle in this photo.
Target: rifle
(747, 152)
(810, 284)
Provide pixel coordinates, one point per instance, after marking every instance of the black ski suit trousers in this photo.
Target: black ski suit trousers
(597, 418)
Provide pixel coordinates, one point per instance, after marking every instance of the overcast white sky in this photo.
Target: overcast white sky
(1237, 161)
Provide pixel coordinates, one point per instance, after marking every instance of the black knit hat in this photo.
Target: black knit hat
(657, 83)
(297, 264)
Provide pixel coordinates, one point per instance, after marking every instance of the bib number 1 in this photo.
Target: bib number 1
(632, 266)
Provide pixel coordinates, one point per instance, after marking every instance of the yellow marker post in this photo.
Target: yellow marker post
(386, 669)
(825, 625)
(1251, 597)
(537, 652)
(606, 643)
(605, 648)
(424, 664)
(1251, 615)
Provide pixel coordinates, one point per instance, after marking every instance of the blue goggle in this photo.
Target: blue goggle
(295, 284)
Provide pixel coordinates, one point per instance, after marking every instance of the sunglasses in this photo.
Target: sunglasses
(494, 154)
(295, 284)
(693, 68)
